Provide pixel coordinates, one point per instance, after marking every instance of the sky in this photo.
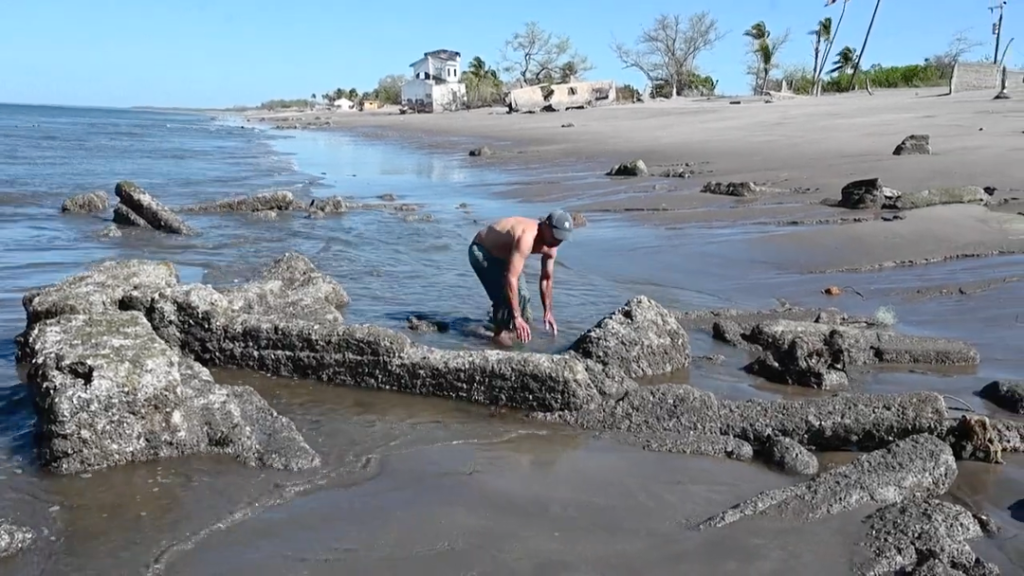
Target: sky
(220, 53)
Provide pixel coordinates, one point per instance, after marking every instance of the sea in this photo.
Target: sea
(408, 484)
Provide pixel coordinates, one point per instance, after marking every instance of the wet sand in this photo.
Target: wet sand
(411, 483)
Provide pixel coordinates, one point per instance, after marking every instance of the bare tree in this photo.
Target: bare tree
(668, 49)
(536, 56)
(960, 45)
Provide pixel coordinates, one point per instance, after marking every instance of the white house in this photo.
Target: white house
(436, 83)
(343, 104)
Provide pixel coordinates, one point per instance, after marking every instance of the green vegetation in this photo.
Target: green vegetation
(801, 80)
(280, 104)
(483, 86)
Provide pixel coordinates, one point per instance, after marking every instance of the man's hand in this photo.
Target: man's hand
(549, 323)
(522, 330)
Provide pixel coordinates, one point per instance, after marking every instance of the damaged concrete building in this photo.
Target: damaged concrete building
(558, 97)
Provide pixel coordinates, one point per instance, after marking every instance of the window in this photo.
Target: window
(572, 91)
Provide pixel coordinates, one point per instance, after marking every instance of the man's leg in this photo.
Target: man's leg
(490, 271)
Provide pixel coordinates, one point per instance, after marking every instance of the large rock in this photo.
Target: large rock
(817, 354)
(789, 456)
(282, 200)
(87, 203)
(914, 144)
(1006, 394)
(641, 338)
(631, 168)
(14, 538)
(102, 288)
(139, 202)
(123, 216)
(921, 466)
(867, 194)
(922, 537)
(110, 392)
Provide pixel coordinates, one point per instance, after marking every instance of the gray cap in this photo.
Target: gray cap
(561, 224)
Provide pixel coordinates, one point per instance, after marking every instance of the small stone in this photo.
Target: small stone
(913, 145)
(789, 456)
(481, 151)
(631, 168)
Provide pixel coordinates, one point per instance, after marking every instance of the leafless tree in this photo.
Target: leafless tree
(536, 56)
(960, 45)
(668, 49)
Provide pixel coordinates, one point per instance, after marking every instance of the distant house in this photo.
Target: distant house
(343, 104)
(370, 105)
(436, 83)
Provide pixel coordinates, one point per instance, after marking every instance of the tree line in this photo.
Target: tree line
(666, 54)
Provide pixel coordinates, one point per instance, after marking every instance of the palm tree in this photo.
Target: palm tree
(846, 60)
(482, 83)
(764, 48)
(822, 34)
(828, 49)
(758, 32)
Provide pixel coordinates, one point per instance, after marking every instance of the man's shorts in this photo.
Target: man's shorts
(491, 272)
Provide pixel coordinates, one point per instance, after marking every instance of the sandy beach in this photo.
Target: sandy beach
(813, 145)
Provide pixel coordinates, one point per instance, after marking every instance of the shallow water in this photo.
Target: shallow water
(413, 483)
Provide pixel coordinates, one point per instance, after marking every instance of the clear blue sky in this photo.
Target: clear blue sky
(227, 52)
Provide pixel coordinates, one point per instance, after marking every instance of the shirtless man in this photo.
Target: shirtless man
(498, 254)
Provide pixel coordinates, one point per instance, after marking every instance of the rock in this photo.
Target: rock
(102, 288)
(125, 217)
(338, 205)
(14, 538)
(110, 392)
(789, 456)
(939, 196)
(280, 200)
(1006, 394)
(86, 203)
(922, 537)
(713, 445)
(417, 324)
(913, 145)
(158, 216)
(111, 231)
(729, 332)
(388, 197)
(578, 220)
(418, 217)
(737, 189)
(641, 338)
(973, 437)
(568, 125)
(817, 355)
(867, 194)
(290, 287)
(481, 151)
(631, 168)
(842, 422)
(921, 466)
(266, 215)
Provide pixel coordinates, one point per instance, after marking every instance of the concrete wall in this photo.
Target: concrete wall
(967, 77)
(558, 97)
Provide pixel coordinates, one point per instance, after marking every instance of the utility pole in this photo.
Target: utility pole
(856, 66)
(997, 27)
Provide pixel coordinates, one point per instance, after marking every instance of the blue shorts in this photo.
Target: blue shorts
(491, 271)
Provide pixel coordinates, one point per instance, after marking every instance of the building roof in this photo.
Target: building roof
(442, 54)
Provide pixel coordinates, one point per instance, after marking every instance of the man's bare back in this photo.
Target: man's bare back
(498, 254)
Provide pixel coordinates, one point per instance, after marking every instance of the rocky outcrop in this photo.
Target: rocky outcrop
(282, 200)
(940, 196)
(817, 354)
(1006, 394)
(920, 466)
(631, 168)
(713, 445)
(87, 203)
(641, 339)
(14, 538)
(110, 392)
(915, 144)
(481, 151)
(841, 422)
(921, 538)
(340, 205)
(139, 206)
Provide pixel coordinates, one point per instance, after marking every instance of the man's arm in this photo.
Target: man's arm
(547, 278)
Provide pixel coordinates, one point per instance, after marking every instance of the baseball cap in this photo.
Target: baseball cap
(561, 224)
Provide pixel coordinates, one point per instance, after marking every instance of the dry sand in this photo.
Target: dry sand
(817, 144)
